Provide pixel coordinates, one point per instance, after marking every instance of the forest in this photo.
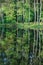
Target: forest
(21, 32)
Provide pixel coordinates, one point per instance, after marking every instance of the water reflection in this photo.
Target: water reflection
(29, 48)
(35, 46)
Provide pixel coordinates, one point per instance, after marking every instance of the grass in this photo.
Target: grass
(36, 26)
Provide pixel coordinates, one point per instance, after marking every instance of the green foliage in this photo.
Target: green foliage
(16, 40)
